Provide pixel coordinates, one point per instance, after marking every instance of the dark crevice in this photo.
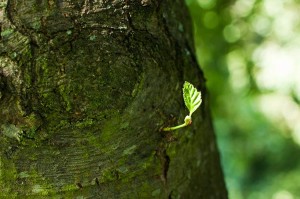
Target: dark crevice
(161, 153)
(8, 13)
(97, 182)
(4, 88)
(79, 185)
(166, 165)
(170, 195)
(0, 31)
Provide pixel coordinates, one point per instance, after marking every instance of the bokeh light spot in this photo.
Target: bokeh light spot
(231, 33)
(207, 4)
(211, 20)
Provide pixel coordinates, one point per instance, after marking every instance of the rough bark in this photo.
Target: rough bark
(85, 87)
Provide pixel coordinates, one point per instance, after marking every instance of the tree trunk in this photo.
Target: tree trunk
(86, 86)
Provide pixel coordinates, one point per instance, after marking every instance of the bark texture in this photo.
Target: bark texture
(85, 87)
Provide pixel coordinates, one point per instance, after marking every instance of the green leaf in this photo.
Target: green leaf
(192, 97)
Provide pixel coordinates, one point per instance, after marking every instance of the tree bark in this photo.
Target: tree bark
(86, 86)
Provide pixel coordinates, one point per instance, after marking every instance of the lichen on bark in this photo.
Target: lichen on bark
(85, 88)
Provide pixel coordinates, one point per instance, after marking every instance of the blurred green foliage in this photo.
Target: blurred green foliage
(249, 51)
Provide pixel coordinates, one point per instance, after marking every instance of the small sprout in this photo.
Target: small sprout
(192, 100)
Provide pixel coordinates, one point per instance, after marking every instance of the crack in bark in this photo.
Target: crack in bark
(166, 165)
(79, 185)
(161, 153)
(0, 31)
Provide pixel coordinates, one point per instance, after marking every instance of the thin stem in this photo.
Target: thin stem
(175, 127)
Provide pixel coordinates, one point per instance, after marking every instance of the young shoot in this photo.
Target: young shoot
(192, 100)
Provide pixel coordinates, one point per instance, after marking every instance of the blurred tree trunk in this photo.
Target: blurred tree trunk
(85, 87)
